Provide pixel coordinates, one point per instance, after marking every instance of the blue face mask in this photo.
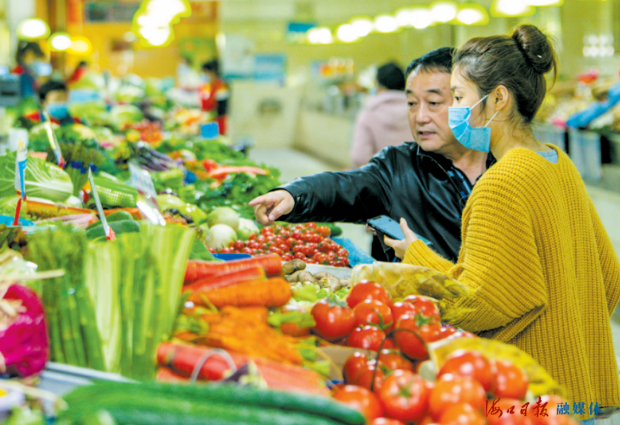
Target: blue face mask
(476, 138)
(58, 110)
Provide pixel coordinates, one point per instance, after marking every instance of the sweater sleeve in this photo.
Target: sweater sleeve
(498, 259)
(609, 262)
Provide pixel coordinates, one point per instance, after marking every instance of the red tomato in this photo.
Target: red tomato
(510, 412)
(385, 421)
(300, 255)
(368, 338)
(405, 396)
(278, 240)
(392, 360)
(287, 257)
(364, 377)
(311, 225)
(511, 381)
(238, 245)
(353, 366)
(453, 389)
(462, 334)
(401, 308)
(297, 235)
(361, 399)
(292, 241)
(267, 231)
(275, 250)
(372, 311)
(462, 414)
(342, 252)
(247, 250)
(285, 233)
(293, 330)
(423, 305)
(333, 319)
(323, 231)
(367, 289)
(474, 364)
(426, 327)
(446, 331)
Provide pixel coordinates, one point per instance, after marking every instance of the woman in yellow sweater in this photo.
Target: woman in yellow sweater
(533, 245)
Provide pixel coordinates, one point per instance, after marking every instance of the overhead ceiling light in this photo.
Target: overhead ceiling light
(346, 33)
(472, 14)
(403, 17)
(444, 11)
(80, 46)
(386, 23)
(421, 18)
(32, 29)
(362, 26)
(60, 41)
(320, 35)
(156, 36)
(544, 2)
(510, 8)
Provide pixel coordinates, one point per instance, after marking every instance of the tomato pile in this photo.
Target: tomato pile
(308, 242)
(470, 389)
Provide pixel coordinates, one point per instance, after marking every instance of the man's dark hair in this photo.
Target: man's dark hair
(438, 60)
(27, 46)
(391, 76)
(213, 66)
(49, 86)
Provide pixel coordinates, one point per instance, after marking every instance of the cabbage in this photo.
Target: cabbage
(246, 229)
(75, 133)
(43, 179)
(220, 236)
(224, 215)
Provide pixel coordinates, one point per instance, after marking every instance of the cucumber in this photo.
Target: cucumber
(335, 230)
(313, 407)
(117, 216)
(139, 406)
(119, 227)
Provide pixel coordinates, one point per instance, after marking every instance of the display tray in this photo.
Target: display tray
(339, 272)
(60, 379)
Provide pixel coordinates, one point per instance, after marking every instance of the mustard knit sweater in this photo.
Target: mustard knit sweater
(547, 273)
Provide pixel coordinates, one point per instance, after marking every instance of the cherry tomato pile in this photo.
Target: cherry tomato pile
(387, 389)
(149, 131)
(308, 242)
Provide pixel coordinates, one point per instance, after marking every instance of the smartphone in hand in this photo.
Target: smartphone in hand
(391, 228)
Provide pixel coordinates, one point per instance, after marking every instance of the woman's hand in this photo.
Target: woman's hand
(400, 246)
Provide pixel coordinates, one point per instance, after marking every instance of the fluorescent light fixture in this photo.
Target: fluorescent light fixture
(362, 26)
(32, 29)
(320, 35)
(443, 11)
(421, 17)
(472, 14)
(509, 8)
(544, 2)
(386, 23)
(403, 17)
(346, 33)
(80, 46)
(156, 36)
(60, 41)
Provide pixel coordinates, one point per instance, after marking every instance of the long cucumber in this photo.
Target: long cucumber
(229, 395)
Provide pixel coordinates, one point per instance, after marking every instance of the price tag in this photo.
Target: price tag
(141, 180)
(20, 170)
(109, 233)
(51, 137)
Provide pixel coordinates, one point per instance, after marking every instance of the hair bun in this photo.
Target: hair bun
(535, 47)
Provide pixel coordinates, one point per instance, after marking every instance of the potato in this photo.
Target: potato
(293, 266)
(305, 276)
(293, 277)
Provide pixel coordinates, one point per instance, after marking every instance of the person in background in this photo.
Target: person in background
(80, 70)
(545, 274)
(427, 182)
(383, 121)
(27, 56)
(214, 94)
(53, 96)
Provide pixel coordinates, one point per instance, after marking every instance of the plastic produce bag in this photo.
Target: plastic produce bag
(24, 345)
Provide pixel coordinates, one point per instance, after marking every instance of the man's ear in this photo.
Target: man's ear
(500, 98)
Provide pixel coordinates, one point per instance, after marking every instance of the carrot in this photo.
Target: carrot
(225, 279)
(135, 212)
(273, 292)
(196, 269)
(166, 375)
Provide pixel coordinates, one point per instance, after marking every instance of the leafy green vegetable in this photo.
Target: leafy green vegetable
(125, 114)
(200, 252)
(43, 180)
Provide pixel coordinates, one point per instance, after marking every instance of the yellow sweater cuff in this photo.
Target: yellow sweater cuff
(421, 255)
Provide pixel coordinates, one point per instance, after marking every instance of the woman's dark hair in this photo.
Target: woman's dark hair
(391, 76)
(519, 63)
(438, 60)
(213, 66)
(49, 86)
(27, 46)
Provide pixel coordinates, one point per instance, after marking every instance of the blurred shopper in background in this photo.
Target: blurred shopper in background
(27, 57)
(214, 94)
(80, 71)
(383, 121)
(54, 96)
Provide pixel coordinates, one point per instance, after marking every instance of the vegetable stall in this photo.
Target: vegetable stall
(129, 255)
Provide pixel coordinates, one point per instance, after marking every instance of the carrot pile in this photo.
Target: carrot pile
(196, 269)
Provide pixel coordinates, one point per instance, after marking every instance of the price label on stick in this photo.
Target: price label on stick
(141, 180)
(51, 137)
(109, 233)
(20, 179)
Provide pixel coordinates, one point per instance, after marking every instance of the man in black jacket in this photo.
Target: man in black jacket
(427, 182)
